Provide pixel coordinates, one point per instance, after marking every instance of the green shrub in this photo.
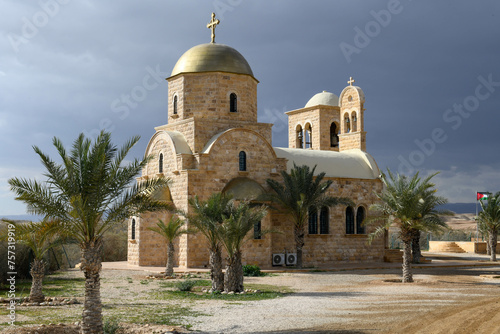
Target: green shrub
(186, 285)
(252, 270)
(110, 326)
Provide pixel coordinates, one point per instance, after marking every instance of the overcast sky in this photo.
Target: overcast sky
(429, 70)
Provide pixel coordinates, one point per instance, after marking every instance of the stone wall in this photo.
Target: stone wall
(206, 95)
(320, 118)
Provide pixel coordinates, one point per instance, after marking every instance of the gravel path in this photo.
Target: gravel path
(362, 301)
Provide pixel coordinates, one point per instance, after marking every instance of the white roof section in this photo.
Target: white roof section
(180, 143)
(324, 98)
(354, 163)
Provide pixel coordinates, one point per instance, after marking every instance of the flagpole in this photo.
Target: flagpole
(477, 220)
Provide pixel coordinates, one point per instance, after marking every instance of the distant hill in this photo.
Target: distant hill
(455, 207)
(34, 218)
(460, 207)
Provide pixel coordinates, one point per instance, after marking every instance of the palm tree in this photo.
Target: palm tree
(299, 193)
(232, 235)
(416, 253)
(410, 204)
(90, 192)
(40, 237)
(170, 231)
(489, 221)
(206, 217)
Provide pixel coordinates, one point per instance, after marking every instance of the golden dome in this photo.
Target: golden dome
(212, 57)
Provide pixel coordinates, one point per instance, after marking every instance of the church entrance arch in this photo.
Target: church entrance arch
(243, 188)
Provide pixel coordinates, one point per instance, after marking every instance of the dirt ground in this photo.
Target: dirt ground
(441, 300)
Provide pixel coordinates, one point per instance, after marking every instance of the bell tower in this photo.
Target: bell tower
(352, 133)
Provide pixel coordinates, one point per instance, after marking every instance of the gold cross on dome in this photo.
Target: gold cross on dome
(211, 25)
(351, 81)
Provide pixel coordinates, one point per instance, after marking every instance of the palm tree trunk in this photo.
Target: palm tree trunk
(415, 246)
(299, 244)
(169, 270)
(216, 269)
(488, 245)
(91, 266)
(493, 245)
(37, 271)
(407, 274)
(233, 281)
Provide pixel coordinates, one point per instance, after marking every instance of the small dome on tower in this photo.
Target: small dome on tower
(212, 57)
(324, 98)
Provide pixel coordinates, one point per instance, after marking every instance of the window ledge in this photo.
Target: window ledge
(319, 235)
(243, 173)
(356, 235)
(174, 116)
(132, 241)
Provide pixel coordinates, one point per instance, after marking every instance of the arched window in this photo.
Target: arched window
(347, 123)
(132, 228)
(175, 105)
(160, 164)
(349, 220)
(360, 217)
(243, 161)
(323, 221)
(300, 137)
(334, 135)
(354, 122)
(233, 103)
(313, 221)
(308, 136)
(257, 230)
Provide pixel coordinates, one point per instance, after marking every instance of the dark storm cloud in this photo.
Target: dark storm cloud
(85, 65)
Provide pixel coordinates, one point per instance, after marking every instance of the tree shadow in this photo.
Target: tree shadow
(327, 294)
(313, 331)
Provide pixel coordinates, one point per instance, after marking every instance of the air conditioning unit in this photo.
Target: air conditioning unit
(291, 259)
(278, 259)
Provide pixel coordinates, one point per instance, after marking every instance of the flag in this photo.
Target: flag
(482, 196)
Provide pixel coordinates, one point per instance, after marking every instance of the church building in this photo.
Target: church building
(214, 143)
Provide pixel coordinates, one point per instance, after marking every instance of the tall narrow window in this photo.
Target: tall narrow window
(360, 217)
(175, 105)
(349, 220)
(257, 230)
(313, 221)
(354, 122)
(132, 229)
(243, 161)
(300, 137)
(160, 163)
(308, 136)
(347, 123)
(233, 103)
(334, 137)
(323, 221)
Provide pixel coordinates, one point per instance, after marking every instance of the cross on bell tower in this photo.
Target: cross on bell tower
(211, 25)
(351, 81)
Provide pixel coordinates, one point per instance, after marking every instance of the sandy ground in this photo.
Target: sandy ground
(454, 300)
(442, 300)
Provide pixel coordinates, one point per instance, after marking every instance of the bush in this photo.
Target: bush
(252, 270)
(185, 285)
(110, 326)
